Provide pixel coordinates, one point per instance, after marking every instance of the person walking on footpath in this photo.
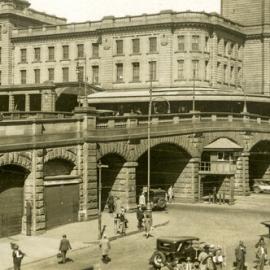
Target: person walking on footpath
(148, 223)
(17, 256)
(261, 254)
(110, 203)
(105, 246)
(170, 194)
(64, 247)
(240, 255)
(142, 202)
(140, 216)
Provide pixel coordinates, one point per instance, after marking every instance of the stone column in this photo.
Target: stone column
(11, 103)
(47, 101)
(89, 205)
(213, 59)
(27, 102)
(38, 211)
(242, 175)
(186, 187)
(129, 170)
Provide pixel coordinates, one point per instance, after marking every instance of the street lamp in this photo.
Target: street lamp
(85, 79)
(100, 166)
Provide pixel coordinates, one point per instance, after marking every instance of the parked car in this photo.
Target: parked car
(174, 247)
(261, 186)
(157, 198)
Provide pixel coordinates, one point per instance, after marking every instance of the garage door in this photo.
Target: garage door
(62, 204)
(11, 205)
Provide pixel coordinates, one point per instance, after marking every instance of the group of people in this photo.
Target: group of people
(261, 255)
(120, 220)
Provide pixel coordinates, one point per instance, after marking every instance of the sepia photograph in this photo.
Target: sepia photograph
(134, 135)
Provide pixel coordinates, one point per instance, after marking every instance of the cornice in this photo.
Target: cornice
(146, 27)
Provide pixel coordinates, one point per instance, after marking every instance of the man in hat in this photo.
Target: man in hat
(240, 255)
(261, 254)
(140, 216)
(105, 246)
(17, 255)
(64, 247)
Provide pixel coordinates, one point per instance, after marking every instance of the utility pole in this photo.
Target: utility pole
(100, 166)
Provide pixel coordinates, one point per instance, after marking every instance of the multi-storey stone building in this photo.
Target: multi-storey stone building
(209, 71)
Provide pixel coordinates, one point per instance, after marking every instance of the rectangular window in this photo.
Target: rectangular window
(224, 79)
(206, 71)
(37, 75)
(119, 72)
(181, 43)
(180, 70)
(119, 47)
(95, 50)
(95, 74)
(152, 71)
(195, 46)
(232, 75)
(23, 56)
(51, 74)
(0, 32)
(225, 48)
(206, 49)
(135, 45)
(152, 44)
(230, 49)
(36, 54)
(80, 73)
(135, 72)
(0, 77)
(65, 49)
(195, 69)
(65, 72)
(23, 76)
(239, 76)
(0, 55)
(80, 50)
(51, 56)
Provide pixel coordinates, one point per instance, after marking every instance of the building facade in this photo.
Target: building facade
(209, 76)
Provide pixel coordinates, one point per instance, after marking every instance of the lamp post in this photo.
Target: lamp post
(193, 92)
(100, 166)
(85, 79)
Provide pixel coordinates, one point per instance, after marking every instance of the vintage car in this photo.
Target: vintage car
(261, 186)
(158, 199)
(170, 248)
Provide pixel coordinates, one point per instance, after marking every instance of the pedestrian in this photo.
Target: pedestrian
(218, 259)
(17, 256)
(203, 256)
(209, 262)
(142, 202)
(170, 194)
(140, 216)
(123, 222)
(261, 254)
(64, 247)
(147, 223)
(240, 255)
(110, 203)
(105, 246)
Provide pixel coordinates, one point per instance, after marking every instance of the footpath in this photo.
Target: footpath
(80, 234)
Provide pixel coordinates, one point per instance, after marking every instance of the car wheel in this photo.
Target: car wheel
(257, 190)
(159, 259)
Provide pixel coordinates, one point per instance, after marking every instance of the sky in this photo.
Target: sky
(91, 10)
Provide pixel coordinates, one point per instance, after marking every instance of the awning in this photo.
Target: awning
(74, 90)
(223, 144)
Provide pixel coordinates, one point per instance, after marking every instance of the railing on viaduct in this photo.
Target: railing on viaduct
(42, 129)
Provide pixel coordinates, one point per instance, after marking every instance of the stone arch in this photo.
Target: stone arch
(117, 148)
(60, 153)
(256, 138)
(182, 142)
(15, 158)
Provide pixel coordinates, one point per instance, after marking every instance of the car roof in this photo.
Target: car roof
(174, 239)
